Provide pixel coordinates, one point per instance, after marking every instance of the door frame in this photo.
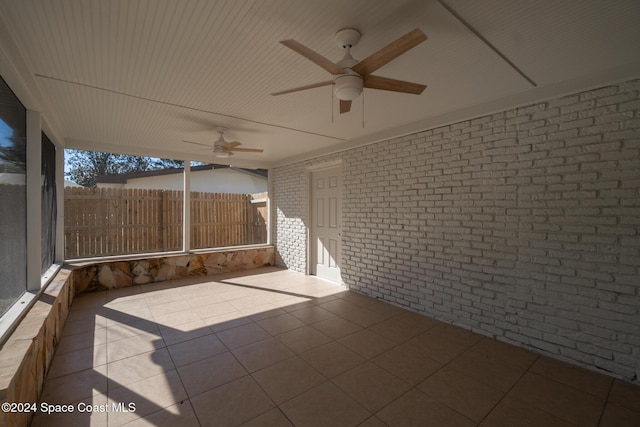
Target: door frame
(309, 184)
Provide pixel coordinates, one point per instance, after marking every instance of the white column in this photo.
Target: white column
(269, 215)
(59, 257)
(186, 208)
(34, 200)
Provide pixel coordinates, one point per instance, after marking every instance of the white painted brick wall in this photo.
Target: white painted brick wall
(290, 212)
(523, 225)
(289, 205)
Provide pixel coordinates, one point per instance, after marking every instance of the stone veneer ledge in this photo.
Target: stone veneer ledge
(99, 276)
(27, 354)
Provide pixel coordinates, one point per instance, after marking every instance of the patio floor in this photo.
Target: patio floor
(272, 347)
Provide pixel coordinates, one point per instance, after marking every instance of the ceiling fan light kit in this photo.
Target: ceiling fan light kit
(222, 148)
(347, 87)
(220, 152)
(351, 76)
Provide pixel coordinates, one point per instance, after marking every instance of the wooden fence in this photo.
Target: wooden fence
(227, 219)
(116, 221)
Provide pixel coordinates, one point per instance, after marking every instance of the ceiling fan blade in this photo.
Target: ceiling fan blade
(247, 150)
(313, 56)
(197, 143)
(345, 106)
(389, 52)
(231, 144)
(393, 85)
(311, 86)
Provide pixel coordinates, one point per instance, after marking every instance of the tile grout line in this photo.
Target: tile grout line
(511, 388)
(606, 402)
(446, 365)
(147, 305)
(412, 387)
(175, 367)
(440, 369)
(106, 326)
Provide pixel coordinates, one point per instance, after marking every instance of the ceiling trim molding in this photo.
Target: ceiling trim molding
(534, 95)
(185, 107)
(490, 45)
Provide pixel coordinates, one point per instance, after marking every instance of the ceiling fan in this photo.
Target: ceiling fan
(222, 148)
(350, 76)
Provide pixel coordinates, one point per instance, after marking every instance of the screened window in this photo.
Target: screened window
(49, 206)
(118, 204)
(228, 206)
(13, 203)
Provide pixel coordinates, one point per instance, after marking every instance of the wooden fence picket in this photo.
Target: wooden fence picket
(117, 221)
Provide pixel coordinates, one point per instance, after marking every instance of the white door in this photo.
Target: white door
(326, 223)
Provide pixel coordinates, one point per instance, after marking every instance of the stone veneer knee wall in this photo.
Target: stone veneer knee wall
(523, 225)
(119, 274)
(27, 354)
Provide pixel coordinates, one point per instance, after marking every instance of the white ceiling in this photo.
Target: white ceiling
(139, 77)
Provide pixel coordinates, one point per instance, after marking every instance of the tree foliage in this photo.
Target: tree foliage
(13, 156)
(85, 166)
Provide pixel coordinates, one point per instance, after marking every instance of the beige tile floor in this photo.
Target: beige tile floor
(275, 348)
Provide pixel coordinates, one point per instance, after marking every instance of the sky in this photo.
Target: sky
(5, 134)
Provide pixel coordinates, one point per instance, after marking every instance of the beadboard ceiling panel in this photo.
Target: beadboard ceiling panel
(553, 40)
(141, 76)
